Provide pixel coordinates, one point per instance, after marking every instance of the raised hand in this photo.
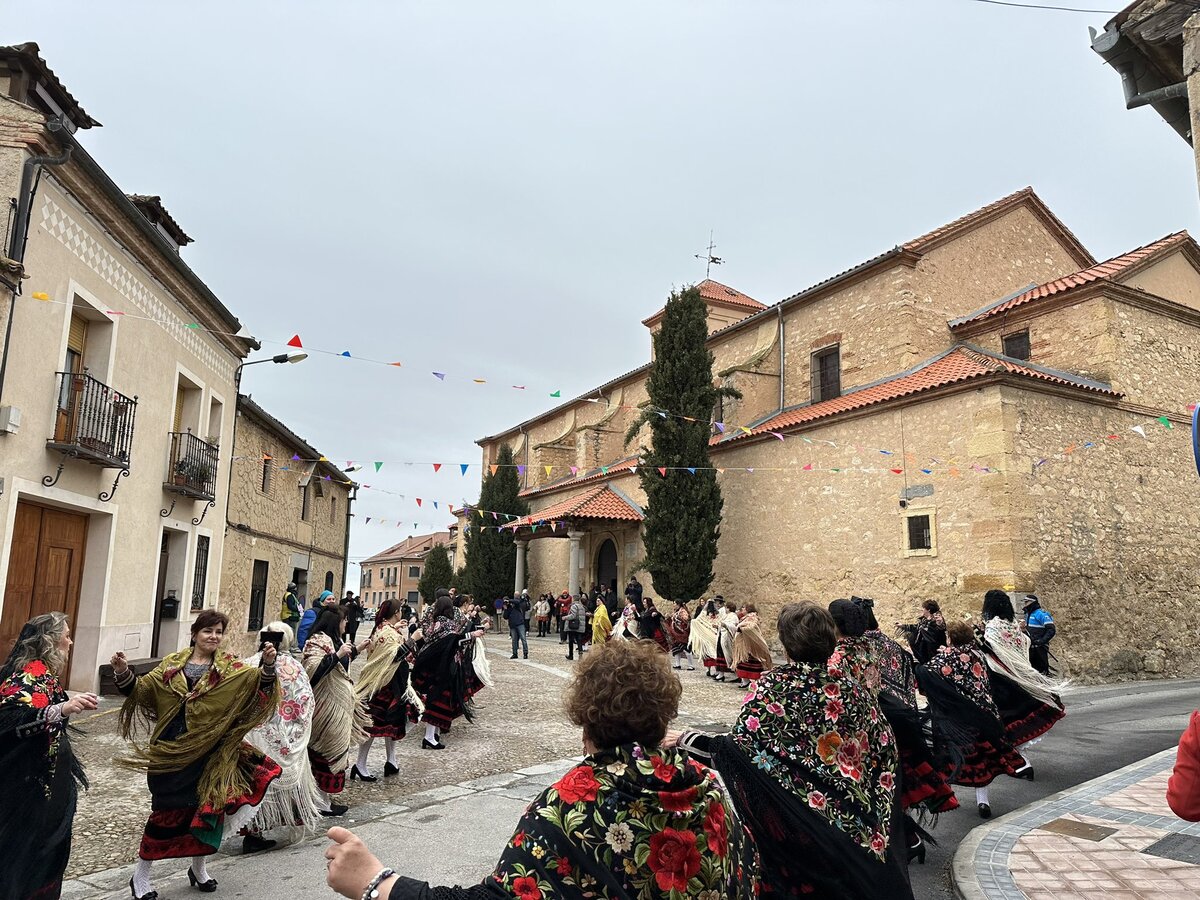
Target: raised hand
(119, 663)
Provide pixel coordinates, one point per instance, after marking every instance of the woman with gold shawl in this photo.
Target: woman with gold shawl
(339, 720)
(383, 687)
(751, 655)
(198, 704)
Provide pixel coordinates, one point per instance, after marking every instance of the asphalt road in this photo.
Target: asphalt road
(1106, 727)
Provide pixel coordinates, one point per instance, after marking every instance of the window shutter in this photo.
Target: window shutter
(77, 338)
(815, 377)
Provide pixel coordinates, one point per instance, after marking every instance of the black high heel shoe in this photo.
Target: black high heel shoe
(985, 811)
(356, 775)
(151, 895)
(389, 770)
(917, 851)
(426, 745)
(206, 886)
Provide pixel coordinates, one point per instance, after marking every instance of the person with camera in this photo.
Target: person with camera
(515, 610)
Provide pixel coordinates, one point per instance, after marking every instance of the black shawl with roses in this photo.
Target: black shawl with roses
(624, 823)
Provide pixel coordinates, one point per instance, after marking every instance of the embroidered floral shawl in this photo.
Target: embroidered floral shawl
(965, 670)
(629, 823)
(896, 665)
(821, 735)
(225, 705)
(1007, 648)
(856, 657)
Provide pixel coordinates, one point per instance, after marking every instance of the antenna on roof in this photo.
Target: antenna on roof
(707, 256)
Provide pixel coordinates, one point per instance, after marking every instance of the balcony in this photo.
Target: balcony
(93, 422)
(192, 471)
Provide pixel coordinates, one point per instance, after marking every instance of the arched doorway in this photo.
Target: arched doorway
(606, 566)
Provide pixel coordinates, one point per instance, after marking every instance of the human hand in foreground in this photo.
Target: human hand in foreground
(269, 653)
(119, 663)
(671, 739)
(352, 865)
(79, 703)
(344, 650)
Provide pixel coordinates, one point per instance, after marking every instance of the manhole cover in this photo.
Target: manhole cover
(1074, 829)
(1183, 848)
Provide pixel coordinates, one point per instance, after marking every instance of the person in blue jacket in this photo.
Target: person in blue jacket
(1039, 625)
(310, 616)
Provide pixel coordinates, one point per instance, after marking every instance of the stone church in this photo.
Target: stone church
(983, 406)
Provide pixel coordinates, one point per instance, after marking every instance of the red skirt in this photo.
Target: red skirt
(984, 762)
(750, 669)
(387, 722)
(197, 831)
(329, 781)
(441, 709)
(1033, 724)
(923, 785)
(716, 662)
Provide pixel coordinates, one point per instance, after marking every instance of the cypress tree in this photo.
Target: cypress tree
(491, 566)
(683, 508)
(436, 574)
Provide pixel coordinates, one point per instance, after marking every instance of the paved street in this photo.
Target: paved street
(521, 741)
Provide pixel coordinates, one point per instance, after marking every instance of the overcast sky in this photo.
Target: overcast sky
(504, 190)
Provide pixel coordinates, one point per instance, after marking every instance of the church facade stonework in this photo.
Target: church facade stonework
(986, 406)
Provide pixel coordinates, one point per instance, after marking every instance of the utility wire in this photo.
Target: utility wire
(1076, 9)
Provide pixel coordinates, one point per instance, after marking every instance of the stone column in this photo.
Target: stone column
(520, 581)
(1191, 71)
(573, 575)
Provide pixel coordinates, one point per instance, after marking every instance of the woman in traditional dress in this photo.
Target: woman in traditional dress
(292, 799)
(650, 624)
(928, 634)
(629, 821)
(625, 627)
(703, 638)
(812, 767)
(383, 687)
(339, 720)
(853, 652)
(601, 625)
(967, 728)
(198, 705)
(924, 789)
(439, 673)
(751, 655)
(679, 632)
(41, 773)
(475, 661)
(726, 636)
(1028, 701)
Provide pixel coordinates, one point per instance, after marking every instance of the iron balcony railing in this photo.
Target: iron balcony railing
(93, 422)
(193, 467)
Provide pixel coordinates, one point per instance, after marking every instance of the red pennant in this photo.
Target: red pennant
(662, 471)
(808, 468)
(418, 501)
(295, 342)
(897, 471)
(436, 466)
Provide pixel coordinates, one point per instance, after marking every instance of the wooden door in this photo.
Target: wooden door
(45, 568)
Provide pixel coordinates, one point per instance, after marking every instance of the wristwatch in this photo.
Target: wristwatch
(372, 891)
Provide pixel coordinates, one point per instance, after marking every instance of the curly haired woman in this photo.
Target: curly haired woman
(40, 769)
(631, 820)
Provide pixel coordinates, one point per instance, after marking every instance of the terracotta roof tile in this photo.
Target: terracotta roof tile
(604, 502)
(717, 293)
(1111, 268)
(962, 363)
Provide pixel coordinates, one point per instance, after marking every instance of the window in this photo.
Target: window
(826, 374)
(414, 571)
(414, 597)
(1017, 345)
(333, 510)
(200, 578)
(319, 484)
(267, 466)
(329, 581)
(920, 533)
(258, 595)
(305, 511)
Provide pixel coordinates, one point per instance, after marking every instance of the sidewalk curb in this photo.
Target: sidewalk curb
(963, 876)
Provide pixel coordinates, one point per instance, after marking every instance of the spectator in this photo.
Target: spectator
(542, 611)
(515, 611)
(1039, 625)
(354, 615)
(289, 609)
(562, 606)
(576, 625)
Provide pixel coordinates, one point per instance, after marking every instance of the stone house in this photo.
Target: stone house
(983, 406)
(394, 573)
(117, 374)
(289, 521)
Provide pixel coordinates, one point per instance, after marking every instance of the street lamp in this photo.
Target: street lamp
(237, 384)
(278, 358)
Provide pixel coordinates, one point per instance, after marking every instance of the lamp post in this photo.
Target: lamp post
(351, 496)
(237, 384)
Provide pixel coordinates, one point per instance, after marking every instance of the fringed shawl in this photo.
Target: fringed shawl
(292, 798)
(726, 633)
(897, 670)
(382, 661)
(703, 639)
(479, 662)
(339, 720)
(749, 643)
(224, 706)
(1007, 650)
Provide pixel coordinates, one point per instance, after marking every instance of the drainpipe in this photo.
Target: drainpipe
(20, 233)
(351, 496)
(782, 356)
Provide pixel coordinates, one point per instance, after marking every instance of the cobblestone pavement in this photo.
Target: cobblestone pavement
(519, 723)
(1113, 838)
